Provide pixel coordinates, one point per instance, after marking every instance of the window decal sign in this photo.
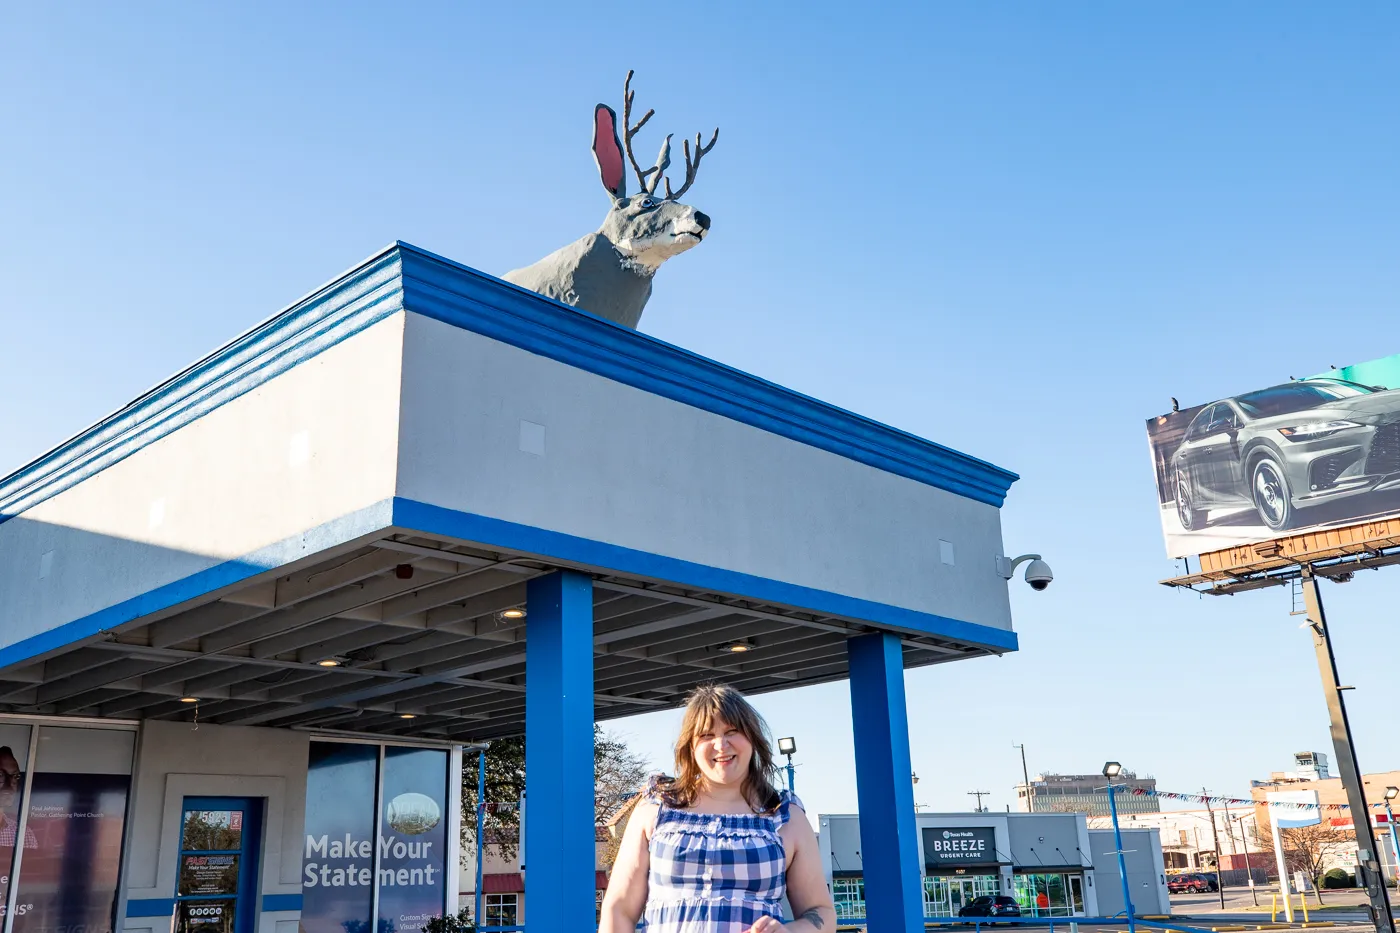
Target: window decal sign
(337, 884)
(206, 917)
(344, 859)
(68, 880)
(14, 751)
(413, 839)
(209, 874)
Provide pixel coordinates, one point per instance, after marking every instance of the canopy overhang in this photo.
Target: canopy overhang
(323, 524)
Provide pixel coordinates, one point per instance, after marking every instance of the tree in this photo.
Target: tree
(1305, 848)
(618, 774)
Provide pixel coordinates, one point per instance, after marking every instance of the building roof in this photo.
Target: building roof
(405, 276)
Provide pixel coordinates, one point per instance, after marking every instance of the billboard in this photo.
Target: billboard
(1311, 453)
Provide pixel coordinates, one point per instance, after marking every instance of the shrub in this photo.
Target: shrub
(1337, 878)
(462, 923)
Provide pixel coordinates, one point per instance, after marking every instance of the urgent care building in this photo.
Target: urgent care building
(1053, 864)
(249, 620)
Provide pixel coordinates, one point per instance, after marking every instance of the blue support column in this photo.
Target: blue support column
(894, 901)
(559, 834)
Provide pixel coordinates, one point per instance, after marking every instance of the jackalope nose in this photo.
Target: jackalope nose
(702, 219)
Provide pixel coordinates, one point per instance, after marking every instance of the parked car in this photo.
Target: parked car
(991, 906)
(1285, 448)
(1191, 883)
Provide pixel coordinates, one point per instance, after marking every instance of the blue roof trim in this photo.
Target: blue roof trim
(151, 907)
(351, 303)
(412, 515)
(403, 276)
(463, 297)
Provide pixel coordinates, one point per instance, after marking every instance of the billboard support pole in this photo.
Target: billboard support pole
(1368, 865)
(1283, 887)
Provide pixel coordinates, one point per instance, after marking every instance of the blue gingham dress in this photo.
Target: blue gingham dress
(715, 873)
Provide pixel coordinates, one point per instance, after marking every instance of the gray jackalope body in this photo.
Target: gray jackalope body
(609, 272)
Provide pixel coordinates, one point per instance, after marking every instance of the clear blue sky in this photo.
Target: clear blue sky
(1014, 228)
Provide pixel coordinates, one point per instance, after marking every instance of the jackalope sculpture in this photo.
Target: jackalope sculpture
(609, 272)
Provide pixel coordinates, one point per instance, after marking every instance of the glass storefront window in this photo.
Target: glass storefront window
(14, 762)
(349, 850)
(945, 895)
(76, 815)
(338, 858)
(412, 838)
(1052, 894)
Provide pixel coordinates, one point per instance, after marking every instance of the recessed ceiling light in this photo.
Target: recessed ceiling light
(329, 662)
(513, 614)
(408, 715)
(738, 647)
(189, 699)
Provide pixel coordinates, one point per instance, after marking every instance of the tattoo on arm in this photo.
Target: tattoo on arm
(814, 917)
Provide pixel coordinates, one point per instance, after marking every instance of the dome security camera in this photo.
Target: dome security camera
(1038, 572)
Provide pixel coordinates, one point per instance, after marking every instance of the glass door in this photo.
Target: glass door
(1076, 894)
(959, 893)
(218, 879)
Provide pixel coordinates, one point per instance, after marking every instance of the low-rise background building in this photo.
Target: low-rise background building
(1085, 793)
(1053, 864)
(1336, 835)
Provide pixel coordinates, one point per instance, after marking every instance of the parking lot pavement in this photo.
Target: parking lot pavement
(1336, 904)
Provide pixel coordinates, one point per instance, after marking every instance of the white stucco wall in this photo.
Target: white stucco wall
(493, 430)
(173, 761)
(1147, 879)
(313, 444)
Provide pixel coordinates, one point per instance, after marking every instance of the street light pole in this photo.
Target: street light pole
(1390, 794)
(1368, 862)
(1111, 770)
(788, 746)
(480, 838)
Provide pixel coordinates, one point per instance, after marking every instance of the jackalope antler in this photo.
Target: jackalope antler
(657, 172)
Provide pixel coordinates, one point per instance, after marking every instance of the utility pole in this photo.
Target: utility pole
(1215, 833)
(979, 794)
(1234, 850)
(1026, 776)
(1368, 858)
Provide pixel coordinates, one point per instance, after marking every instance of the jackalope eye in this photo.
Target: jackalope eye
(648, 203)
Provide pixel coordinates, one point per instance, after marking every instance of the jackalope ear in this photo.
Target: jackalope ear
(607, 150)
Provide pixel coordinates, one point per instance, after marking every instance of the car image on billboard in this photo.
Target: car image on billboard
(1317, 452)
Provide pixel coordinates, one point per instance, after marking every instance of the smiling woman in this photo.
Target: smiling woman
(718, 848)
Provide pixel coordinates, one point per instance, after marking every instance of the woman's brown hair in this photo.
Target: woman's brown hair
(705, 704)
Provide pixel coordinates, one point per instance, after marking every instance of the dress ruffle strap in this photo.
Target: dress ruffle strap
(789, 799)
